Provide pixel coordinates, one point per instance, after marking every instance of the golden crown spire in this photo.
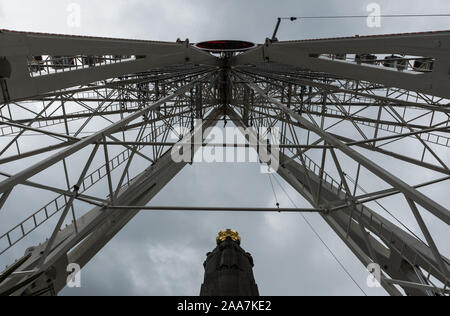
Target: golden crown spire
(224, 234)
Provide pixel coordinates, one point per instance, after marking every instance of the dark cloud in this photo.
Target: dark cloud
(162, 253)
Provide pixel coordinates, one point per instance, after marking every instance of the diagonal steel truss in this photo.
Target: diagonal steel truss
(103, 110)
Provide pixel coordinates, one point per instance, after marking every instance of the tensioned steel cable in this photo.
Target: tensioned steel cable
(390, 213)
(274, 192)
(322, 240)
(386, 210)
(365, 16)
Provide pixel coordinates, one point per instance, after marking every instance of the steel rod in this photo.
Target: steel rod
(216, 209)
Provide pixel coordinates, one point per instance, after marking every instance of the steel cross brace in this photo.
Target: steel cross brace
(97, 227)
(304, 54)
(430, 205)
(18, 47)
(399, 254)
(42, 165)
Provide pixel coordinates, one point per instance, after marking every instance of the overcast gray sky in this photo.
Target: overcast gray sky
(162, 254)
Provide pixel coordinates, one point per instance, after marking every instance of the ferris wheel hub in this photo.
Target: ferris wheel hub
(220, 46)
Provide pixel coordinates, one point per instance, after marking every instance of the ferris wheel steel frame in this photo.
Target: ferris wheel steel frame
(385, 89)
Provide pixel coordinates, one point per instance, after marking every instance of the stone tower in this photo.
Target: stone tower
(229, 269)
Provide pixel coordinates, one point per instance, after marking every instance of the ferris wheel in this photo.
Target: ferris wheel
(360, 120)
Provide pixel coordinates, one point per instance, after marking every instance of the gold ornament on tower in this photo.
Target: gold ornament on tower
(224, 234)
